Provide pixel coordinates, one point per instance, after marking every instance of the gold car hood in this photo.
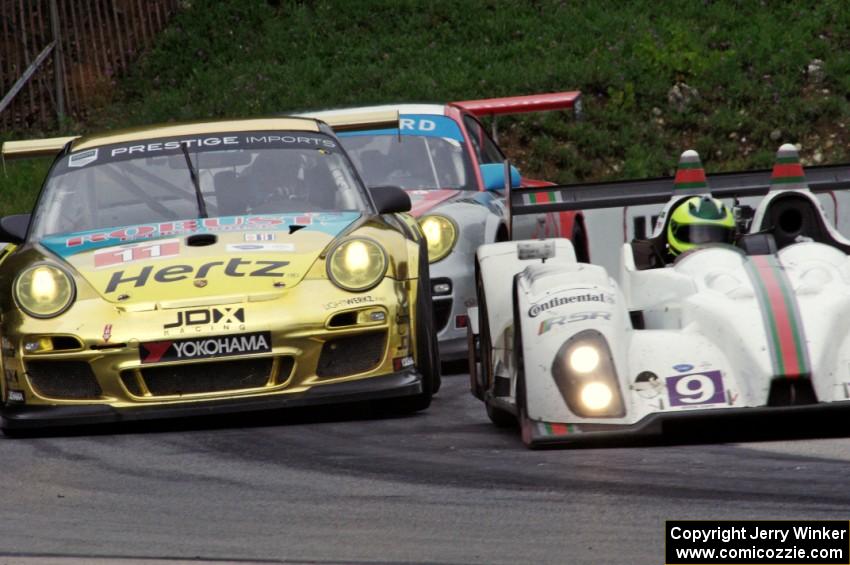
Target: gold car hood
(199, 258)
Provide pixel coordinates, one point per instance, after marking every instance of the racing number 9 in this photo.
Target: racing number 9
(695, 389)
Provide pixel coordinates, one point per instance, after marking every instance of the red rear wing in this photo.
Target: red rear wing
(519, 104)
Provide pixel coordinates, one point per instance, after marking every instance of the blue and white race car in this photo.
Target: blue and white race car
(454, 172)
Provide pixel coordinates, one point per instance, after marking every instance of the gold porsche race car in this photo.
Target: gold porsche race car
(210, 267)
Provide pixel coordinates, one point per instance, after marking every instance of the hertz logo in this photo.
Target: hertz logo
(173, 273)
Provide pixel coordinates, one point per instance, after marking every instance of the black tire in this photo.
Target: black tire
(500, 418)
(483, 336)
(522, 411)
(426, 340)
(12, 433)
(427, 353)
(521, 398)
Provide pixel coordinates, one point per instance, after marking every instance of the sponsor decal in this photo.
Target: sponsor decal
(16, 396)
(107, 332)
(400, 363)
(353, 301)
(696, 389)
(659, 223)
(560, 321)
(202, 348)
(236, 267)
(11, 377)
(172, 146)
(279, 247)
(403, 343)
(218, 142)
(424, 200)
(230, 223)
(7, 346)
(82, 158)
(136, 252)
(291, 139)
(550, 429)
(647, 385)
(601, 297)
(207, 316)
(330, 223)
(542, 197)
(683, 368)
(260, 236)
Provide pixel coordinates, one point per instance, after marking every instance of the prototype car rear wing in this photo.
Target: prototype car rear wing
(519, 104)
(26, 149)
(561, 198)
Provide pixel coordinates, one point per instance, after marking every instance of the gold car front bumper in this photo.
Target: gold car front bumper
(101, 362)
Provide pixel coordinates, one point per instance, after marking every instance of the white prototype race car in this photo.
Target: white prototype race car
(761, 326)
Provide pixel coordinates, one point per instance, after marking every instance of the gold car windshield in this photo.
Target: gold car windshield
(238, 173)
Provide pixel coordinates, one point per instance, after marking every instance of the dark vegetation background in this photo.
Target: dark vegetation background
(732, 80)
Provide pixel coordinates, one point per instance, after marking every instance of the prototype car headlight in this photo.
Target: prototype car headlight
(440, 235)
(357, 264)
(44, 291)
(584, 359)
(596, 396)
(584, 371)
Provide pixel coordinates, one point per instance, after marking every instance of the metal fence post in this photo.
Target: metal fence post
(57, 62)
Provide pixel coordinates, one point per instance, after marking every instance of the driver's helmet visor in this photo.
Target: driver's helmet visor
(703, 233)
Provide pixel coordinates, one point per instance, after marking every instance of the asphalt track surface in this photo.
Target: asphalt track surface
(347, 486)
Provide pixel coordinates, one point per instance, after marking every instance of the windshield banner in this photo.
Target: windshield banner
(428, 125)
(210, 142)
(70, 244)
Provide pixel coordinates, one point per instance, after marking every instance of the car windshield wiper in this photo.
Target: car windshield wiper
(202, 206)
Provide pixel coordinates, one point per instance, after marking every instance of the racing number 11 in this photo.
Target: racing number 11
(122, 255)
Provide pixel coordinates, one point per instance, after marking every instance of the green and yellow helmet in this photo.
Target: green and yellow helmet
(697, 221)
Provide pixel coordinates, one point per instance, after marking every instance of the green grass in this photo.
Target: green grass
(20, 183)
(746, 60)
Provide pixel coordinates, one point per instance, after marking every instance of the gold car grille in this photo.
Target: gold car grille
(208, 377)
(351, 354)
(63, 379)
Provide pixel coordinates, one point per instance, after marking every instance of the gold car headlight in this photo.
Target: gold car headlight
(440, 234)
(357, 264)
(44, 291)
